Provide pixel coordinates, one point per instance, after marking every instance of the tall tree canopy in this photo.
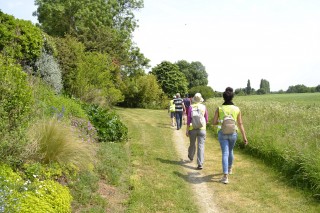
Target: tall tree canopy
(104, 26)
(195, 73)
(264, 86)
(248, 88)
(170, 78)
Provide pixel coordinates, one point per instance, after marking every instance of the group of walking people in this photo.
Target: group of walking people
(197, 136)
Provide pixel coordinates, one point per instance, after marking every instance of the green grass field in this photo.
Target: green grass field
(155, 185)
(284, 130)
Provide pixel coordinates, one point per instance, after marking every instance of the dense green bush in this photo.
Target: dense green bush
(94, 80)
(15, 95)
(89, 76)
(206, 92)
(16, 103)
(144, 92)
(49, 104)
(20, 39)
(19, 195)
(107, 123)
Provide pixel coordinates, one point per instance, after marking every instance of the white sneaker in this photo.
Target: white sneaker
(224, 180)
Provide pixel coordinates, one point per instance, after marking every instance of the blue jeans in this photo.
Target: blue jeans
(227, 143)
(179, 119)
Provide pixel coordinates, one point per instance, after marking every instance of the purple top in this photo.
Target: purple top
(189, 115)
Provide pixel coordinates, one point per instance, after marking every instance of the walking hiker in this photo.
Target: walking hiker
(171, 110)
(196, 131)
(179, 109)
(227, 139)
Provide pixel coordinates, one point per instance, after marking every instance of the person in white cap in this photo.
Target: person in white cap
(196, 131)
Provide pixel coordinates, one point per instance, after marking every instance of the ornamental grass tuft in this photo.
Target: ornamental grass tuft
(53, 141)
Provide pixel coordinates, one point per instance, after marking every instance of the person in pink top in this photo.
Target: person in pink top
(198, 134)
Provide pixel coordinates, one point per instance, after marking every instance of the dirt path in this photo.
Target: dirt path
(202, 192)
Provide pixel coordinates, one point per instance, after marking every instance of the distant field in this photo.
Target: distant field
(284, 130)
(302, 98)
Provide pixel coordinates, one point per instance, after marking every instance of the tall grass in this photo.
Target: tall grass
(53, 141)
(286, 134)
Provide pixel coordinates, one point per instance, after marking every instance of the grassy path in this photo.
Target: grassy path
(164, 180)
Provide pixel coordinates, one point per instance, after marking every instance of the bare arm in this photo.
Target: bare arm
(216, 117)
(243, 132)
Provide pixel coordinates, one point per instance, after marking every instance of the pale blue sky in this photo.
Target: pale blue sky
(236, 40)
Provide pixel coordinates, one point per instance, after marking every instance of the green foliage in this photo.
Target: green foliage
(18, 195)
(248, 88)
(108, 124)
(20, 39)
(89, 76)
(54, 141)
(70, 52)
(300, 88)
(265, 85)
(206, 92)
(49, 71)
(143, 92)
(105, 26)
(195, 73)
(94, 80)
(15, 95)
(49, 104)
(170, 78)
(137, 63)
(36, 170)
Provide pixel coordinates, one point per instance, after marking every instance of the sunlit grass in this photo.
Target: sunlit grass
(284, 132)
(53, 141)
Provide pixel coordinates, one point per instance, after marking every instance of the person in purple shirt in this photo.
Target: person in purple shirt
(198, 135)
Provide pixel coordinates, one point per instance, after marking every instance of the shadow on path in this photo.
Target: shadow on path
(194, 177)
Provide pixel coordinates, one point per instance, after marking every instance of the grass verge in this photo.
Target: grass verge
(155, 187)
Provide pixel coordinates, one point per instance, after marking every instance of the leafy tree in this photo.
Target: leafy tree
(317, 88)
(136, 63)
(144, 92)
(70, 53)
(261, 91)
(101, 25)
(206, 92)
(170, 78)
(95, 80)
(240, 91)
(299, 88)
(195, 73)
(264, 84)
(20, 39)
(248, 88)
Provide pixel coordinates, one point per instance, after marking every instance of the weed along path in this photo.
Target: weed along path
(203, 194)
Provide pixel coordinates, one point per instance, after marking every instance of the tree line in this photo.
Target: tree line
(265, 89)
